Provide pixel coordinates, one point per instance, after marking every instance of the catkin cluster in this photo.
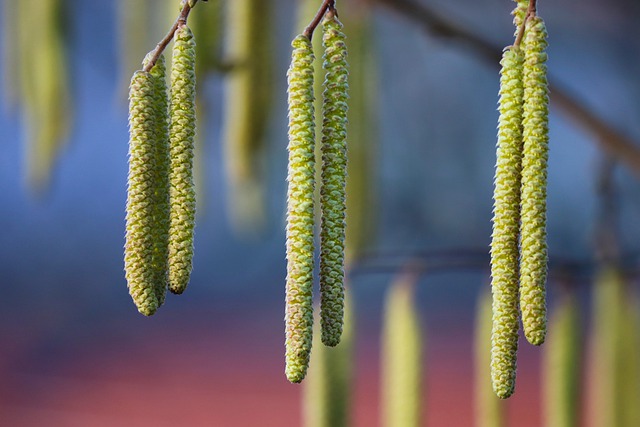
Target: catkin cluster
(518, 246)
(300, 196)
(160, 197)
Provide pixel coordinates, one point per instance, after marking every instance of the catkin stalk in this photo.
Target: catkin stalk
(139, 246)
(533, 240)
(300, 215)
(334, 176)
(506, 217)
(181, 141)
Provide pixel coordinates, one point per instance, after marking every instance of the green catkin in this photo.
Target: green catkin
(334, 176)
(181, 141)
(504, 243)
(489, 410)
(161, 190)
(139, 246)
(533, 234)
(402, 356)
(300, 216)
(561, 366)
(630, 368)
(519, 13)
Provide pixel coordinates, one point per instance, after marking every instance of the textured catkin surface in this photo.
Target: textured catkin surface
(138, 258)
(181, 141)
(506, 217)
(300, 219)
(533, 264)
(161, 185)
(334, 176)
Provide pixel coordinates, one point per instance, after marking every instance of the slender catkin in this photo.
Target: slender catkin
(161, 185)
(506, 217)
(533, 233)
(334, 176)
(300, 219)
(139, 246)
(630, 368)
(181, 142)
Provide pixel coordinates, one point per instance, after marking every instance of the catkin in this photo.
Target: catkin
(300, 219)
(334, 175)
(139, 246)
(533, 264)
(181, 140)
(504, 243)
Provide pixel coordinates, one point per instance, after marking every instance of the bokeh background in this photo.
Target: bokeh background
(75, 352)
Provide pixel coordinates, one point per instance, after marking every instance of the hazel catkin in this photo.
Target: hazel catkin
(300, 216)
(504, 243)
(334, 175)
(182, 197)
(533, 243)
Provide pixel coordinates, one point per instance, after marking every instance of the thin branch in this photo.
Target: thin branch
(326, 5)
(620, 146)
(531, 12)
(162, 45)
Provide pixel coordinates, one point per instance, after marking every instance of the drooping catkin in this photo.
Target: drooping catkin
(533, 233)
(139, 246)
(402, 349)
(561, 366)
(334, 176)
(506, 217)
(300, 216)
(161, 185)
(181, 141)
(519, 13)
(630, 368)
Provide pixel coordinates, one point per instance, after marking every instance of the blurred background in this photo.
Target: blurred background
(74, 351)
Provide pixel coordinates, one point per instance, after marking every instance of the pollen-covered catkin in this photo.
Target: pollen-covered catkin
(182, 197)
(300, 217)
(533, 243)
(161, 185)
(139, 246)
(334, 176)
(506, 217)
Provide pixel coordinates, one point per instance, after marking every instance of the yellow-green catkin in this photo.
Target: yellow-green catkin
(139, 246)
(328, 387)
(161, 186)
(561, 366)
(506, 221)
(300, 215)
(334, 176)
(402, 349)
(630, 366)
(533, 232)
(181, 142)
(519, 13)
(489, 410)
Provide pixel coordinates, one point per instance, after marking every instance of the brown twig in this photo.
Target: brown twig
(326, 5)
(620, 146)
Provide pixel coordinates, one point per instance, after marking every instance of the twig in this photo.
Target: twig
(620, 146)
(326, 5)
(531, 12)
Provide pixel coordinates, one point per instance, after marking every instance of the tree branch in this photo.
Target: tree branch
(326, 5)
(610, 140)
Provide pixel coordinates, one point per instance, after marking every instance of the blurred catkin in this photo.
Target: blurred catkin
(139, 246)
(506, 220)
(402, 349)
(181, 141)
(334, 176)
(300, 215)
(489, 409)
(630, 366)
(561, 366)
(533, 231)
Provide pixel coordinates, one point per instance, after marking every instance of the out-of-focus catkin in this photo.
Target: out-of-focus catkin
(139, 246)
(533, 234)
(300, 216)
(334, 176)
(504, 243)
(181, 141)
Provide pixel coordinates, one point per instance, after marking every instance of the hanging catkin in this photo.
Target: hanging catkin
(334, 175)
(506, 217)
(300, 219)
(161, 185)
(139, 246)
(182, 132)
(533, 264)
